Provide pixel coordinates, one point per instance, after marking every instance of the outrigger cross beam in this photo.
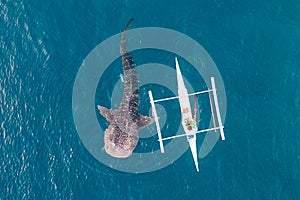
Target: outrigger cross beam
(188, 122)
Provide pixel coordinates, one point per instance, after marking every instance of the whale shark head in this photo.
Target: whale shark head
(118, 143)
(121, 136)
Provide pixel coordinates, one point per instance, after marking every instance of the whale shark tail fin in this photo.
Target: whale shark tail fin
(123, 49)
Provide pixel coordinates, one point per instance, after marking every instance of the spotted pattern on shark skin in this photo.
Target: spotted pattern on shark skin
(122, 139)
(131, 82)
(121, 136)
(134, 105)
(127, 62)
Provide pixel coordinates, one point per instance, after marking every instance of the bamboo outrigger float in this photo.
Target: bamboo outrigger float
(188, 122)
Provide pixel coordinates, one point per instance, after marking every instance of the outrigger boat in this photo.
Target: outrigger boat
(188, 122)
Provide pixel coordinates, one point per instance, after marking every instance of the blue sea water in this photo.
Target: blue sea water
(255, 45)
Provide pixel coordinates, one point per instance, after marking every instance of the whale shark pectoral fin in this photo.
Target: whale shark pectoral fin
(144, 121)
(105, 112)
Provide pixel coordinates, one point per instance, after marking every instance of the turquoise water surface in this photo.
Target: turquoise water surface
(255, 45)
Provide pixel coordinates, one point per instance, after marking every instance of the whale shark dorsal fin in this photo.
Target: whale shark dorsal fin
(144, 121)
(105, 112)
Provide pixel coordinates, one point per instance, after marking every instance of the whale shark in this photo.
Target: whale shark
(121, 136)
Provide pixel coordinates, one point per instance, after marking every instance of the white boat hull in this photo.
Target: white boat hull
(188, 123)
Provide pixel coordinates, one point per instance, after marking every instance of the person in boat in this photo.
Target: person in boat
(190, 125)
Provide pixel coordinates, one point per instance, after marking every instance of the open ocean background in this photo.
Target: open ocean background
(256, 47)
